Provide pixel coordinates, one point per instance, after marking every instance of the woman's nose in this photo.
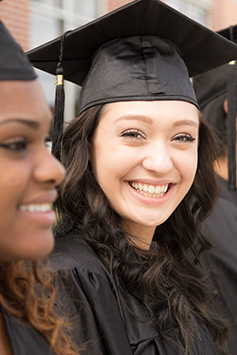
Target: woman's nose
(158, 159)
(49, 169)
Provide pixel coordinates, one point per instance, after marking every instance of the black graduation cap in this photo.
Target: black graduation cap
(212, 88)
(14, 65)
(144, 50)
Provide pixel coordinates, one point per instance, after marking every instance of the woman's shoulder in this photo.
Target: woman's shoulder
(72, 251)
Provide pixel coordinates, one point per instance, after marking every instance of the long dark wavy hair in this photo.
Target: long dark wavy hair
(167, 279)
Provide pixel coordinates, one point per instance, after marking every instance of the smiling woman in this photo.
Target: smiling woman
(139, 182)
(29, 175)
(146, 246)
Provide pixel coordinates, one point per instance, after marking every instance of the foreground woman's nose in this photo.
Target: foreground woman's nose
(49, 169)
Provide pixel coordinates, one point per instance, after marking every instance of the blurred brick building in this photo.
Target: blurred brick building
(33, 22)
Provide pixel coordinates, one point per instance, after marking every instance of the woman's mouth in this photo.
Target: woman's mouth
(152, 191)
(42, 207)
(41, 213)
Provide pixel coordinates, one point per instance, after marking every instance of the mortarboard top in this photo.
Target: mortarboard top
(14, 65)
(212, 88)
(200, 48)
(134, 53)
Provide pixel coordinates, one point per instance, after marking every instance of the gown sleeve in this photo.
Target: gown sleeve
(87, 296)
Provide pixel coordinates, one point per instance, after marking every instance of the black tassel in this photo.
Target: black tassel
(58, 114)
(231, 125)
(59, 104)
(231, 119)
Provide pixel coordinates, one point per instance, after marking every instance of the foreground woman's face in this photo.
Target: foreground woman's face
(144, 158)
(28, 172)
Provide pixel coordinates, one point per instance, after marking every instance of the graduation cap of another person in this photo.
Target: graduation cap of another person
(144, 50)
(212, 89)
(14, 65)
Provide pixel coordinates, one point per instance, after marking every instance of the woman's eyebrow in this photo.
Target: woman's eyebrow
(135, 118)
(185, 122)
(30, 123)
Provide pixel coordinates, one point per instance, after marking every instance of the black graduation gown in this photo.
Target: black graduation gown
(221, 261)
(25, 340)
(100, 320)
(225, 193)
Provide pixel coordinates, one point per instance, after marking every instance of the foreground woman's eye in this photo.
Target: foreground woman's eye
(184, 138)
(14, 144)
(48, 142)
(133, 133)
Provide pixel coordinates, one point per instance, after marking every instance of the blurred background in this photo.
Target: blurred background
(33, 22)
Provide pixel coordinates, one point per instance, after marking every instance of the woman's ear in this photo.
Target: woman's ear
(225, 106)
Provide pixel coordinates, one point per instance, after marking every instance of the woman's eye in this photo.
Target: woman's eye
(48, 143)
(14, 145)
(133, 133)
(184, 138)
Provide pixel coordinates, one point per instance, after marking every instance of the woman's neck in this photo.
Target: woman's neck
(141, 236)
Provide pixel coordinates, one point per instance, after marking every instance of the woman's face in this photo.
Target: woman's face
(28, 172)
(144, 158)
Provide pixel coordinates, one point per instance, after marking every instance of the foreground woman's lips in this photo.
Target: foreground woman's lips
(39, 213)
(39, 203)
(43, 207)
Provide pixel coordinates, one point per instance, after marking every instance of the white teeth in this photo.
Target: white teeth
(158, 189)
(44, 207)
(150, 190)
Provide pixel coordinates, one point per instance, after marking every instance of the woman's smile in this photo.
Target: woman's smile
(41, 215)
(150, 194)
(152, 191)
(39, 209)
